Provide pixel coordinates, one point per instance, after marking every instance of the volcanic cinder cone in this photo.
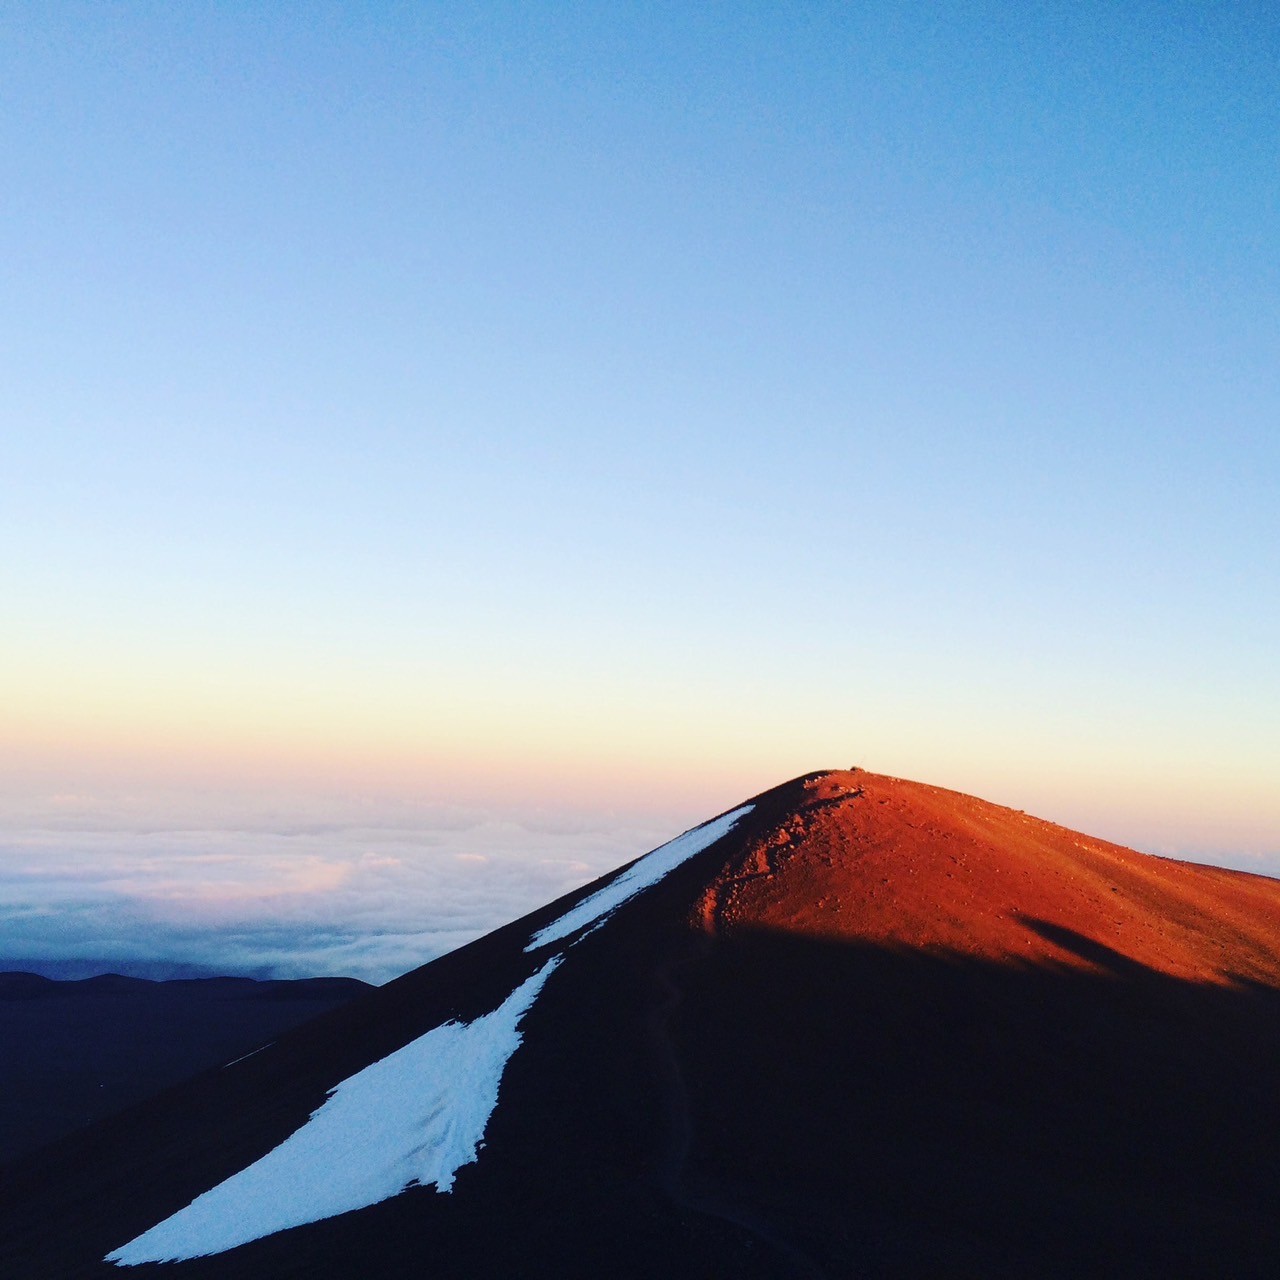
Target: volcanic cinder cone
(858, 1027)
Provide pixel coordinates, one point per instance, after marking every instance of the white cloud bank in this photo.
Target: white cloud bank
(86, 889)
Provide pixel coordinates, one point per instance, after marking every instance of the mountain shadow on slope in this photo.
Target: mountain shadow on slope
(768, 1105)
(920, 1114)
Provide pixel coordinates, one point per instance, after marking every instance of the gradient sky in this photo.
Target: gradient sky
(583, 416)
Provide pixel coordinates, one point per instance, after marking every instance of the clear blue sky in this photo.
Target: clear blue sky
(646, 401)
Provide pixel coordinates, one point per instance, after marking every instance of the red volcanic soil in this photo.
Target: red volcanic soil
(881, 860)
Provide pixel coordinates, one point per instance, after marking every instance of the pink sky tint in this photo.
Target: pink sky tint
(1176, 807)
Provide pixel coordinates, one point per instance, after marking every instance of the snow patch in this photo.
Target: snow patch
(413, 1118)
(638, 877)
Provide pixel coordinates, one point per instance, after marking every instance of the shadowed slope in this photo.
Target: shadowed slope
(880, 1029)
(925, 1114)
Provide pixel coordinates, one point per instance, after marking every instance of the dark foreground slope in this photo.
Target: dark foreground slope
(878, 1029)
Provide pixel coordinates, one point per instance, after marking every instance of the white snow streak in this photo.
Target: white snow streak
(639, 876)
(415, 1117)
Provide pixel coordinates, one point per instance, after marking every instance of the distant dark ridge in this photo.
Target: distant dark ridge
(74, 1051)
(28, 986)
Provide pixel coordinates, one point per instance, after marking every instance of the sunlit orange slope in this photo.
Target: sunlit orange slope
(865, 857)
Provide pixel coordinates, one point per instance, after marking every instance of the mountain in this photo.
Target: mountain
(72, 1052)
(856, 1027)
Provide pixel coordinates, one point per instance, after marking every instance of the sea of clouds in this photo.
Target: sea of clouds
(89, 887)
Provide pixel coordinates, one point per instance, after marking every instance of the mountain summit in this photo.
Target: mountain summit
(854, 1027)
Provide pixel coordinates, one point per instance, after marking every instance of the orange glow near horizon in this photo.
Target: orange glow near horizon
(595, 744)
(581, 767)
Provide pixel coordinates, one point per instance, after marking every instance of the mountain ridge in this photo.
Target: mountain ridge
(872, 1029)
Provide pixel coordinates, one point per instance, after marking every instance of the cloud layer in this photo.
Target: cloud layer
(85, 889)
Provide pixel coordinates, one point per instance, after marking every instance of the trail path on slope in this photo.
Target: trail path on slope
(715, 910)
